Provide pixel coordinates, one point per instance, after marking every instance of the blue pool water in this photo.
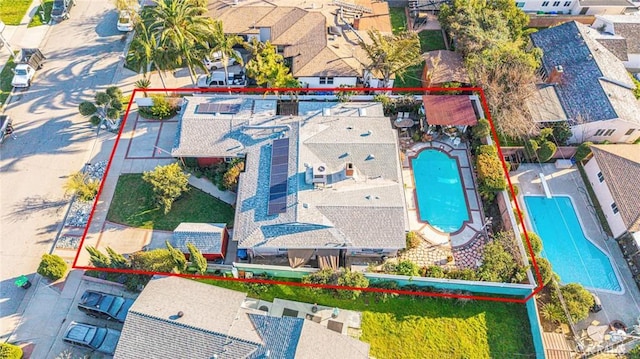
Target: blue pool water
(573, 257)
(439, 191)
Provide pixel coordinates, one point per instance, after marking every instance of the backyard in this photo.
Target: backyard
(422, 327)
(133, 205)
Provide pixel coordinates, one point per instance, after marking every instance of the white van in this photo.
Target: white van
(215, 61)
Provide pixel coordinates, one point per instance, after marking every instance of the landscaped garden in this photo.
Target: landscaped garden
(420, 327)
(133, 204)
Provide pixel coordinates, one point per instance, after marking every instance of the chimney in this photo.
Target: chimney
(556, 75)
(348, 170)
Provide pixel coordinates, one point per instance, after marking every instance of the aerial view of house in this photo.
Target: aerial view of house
(327, 178)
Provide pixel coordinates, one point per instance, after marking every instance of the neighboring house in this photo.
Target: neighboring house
(319, 41)
(442, 67)
(322, 185)
(591, 84)
(621, 35)
(575, 7)
(614, 174)
(181, 318)
(210, 238)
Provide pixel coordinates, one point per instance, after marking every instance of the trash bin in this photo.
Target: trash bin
(23, 282)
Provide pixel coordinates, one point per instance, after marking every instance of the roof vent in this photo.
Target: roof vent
(180, 314)
(370, 157)
(362, 112)
(305, 205)
(326, 111)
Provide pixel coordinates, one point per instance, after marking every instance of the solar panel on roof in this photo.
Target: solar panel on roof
(279, 175)
(212, 108)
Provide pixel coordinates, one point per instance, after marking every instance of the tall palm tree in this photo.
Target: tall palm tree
(223, 44)
(143, 51)
(392, 54)
(180, 26)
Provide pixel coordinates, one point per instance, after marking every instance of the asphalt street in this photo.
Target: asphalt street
(52, 141)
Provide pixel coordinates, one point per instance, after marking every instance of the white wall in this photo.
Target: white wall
(587, 131)
(608, 26)
(337, 81)
(604, 197)
(533, 6)
(599, 10)
(633, 64)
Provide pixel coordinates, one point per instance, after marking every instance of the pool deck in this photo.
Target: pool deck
(471, 233)
(567, 182)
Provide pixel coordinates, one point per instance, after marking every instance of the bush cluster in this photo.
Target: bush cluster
(52, 267)
(10, 351)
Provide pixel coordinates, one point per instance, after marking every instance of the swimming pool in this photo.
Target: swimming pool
(439, 191)
(573, 257)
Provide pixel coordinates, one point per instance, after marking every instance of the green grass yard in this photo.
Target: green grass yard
(398, 19)
(431, 40)
(420, 327)
(133, 205)
(411, 77)
(5, 80)
(13, 10)
(37, 19)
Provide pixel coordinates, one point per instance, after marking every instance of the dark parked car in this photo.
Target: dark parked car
(61, 8)
(103, 340)
(103, 305)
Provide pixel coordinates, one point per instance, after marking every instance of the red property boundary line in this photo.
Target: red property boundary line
(285, 91)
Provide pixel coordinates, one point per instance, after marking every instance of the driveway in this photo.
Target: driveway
(52, 142)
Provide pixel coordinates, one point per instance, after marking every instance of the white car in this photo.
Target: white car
(125, 22)
(215, 61)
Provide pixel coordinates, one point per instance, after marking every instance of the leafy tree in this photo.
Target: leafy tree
(52, 266)
(413, 240)
(81, 185)
(126, 5)
(351, 279)
(107, 105)
(408, 268)
(561, 132)
(546, 151)
(584, 150)
(578, 300)
(482, 129)
(490, 171)
(223, 44)
(169, 182)
(536, 242)
(198, 261)
(179, 260)
(546, 272)
(97, 258)
(392, 54)
(10, 351)
(117, 260)
(230, 178)
(498, 265)
(156, 260)
(179, 26)
(267, 67)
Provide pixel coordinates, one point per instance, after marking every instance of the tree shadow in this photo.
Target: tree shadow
(32, 205)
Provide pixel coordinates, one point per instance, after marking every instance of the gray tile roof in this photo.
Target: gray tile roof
(207, 237)
(617, 46)
(620, 165)
(585, 63)
(280, 335)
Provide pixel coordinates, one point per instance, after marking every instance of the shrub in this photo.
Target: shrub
(498, 265)
(531, 149)
(433, 272)
(10, 351)
(536, 242)
(407, 268)
(462, 274)
(578, 301)
(52, 266)
(490, 172)
(546, 151)
(517, 213)
(87, 108)
(169, 182)
(97, 258)
(161, 107)
(561, 132)
(635, 352)
(198, 261)
(546, 272)
(95, 120)
(157, 260)
(482, 129)
(553, 312)
(490, 150)
(584, 150)
(351, 279)
(230, 178)
(82, 186)
(413, 240)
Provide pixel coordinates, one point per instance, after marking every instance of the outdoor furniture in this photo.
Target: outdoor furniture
(456, 141)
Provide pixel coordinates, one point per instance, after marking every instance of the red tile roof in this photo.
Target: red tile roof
(449, 110)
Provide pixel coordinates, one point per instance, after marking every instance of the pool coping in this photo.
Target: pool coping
(582, 227)
(460, 175)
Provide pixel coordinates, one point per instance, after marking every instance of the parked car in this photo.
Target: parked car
(216, 79)
(125, 21)
(29, 61)
(214, 62)
(61, 8)
(6, 127)
(103, 340)
(105, 306)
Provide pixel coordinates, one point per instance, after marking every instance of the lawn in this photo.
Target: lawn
(398, 19)
(5, 80)
(37, 18)
(421, 327)
(431, 40)
(411, 77)
(133, 205)
(13, 10)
